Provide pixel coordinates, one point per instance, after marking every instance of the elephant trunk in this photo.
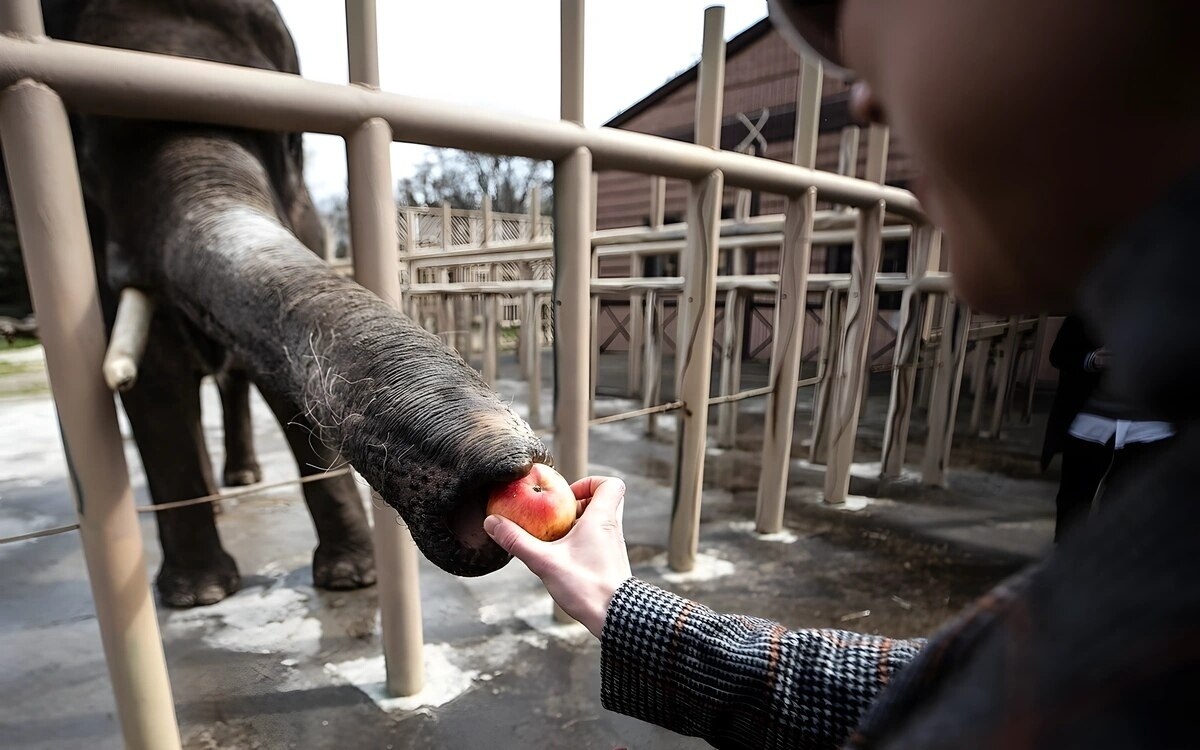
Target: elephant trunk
(411, 416)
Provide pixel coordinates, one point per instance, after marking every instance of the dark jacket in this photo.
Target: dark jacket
(1098, 646)
(1075, 383)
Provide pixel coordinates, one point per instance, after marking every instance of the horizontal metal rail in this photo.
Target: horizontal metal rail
(123, 83)
(767, 282)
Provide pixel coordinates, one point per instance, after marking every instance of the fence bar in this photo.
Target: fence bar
(947, 382)
(373, 234)
(786, 352)
(48, 204)
(741, 396)
(139, 85)
(979, 383)
(694, 341)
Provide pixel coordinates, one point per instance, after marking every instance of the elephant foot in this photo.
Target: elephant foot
(343, 568)
(182, 587)
(241, 476)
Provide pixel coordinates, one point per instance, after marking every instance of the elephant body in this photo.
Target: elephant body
(218, 226)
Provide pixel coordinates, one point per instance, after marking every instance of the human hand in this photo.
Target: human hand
(585, 568)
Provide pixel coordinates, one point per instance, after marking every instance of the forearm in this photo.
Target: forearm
(738, 681)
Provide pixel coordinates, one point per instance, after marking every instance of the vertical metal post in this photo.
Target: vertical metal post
(636, 308)
(835, 310)
(1035, 364)
(1005, 365)
(373, 232)
(731, 355)
(979, 383)
(787, 349)
(486, 218)
(491, 331)
(532, 323)
(856, 332)
(907, 354)
(572, 263)
(48, 203)
(695, 338)
(652, 372)
(848, 150)
(535, 211)
(947, 382)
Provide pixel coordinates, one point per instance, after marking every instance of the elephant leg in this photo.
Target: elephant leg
(241, 464)
(164, 411)
(344, 558)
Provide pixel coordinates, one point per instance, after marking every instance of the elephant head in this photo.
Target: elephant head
(208, 220)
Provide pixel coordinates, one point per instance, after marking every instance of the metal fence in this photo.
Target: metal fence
(41, 77)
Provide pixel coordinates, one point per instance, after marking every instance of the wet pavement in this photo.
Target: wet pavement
(281, 664)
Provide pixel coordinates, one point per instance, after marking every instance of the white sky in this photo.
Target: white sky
(501, 55)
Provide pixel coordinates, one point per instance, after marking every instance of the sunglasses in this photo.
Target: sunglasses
(811, 28)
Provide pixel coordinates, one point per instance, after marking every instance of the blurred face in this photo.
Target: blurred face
(1016, 111)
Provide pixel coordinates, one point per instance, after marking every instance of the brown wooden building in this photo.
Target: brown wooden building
(761, 80)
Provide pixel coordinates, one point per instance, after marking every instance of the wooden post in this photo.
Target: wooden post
(373, 232)
(695, 338)
(947, 382)
(787, 349)
(48, 205)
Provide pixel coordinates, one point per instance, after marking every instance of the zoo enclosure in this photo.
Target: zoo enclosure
(41, 77)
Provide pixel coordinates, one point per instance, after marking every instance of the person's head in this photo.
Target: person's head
(1040, 127)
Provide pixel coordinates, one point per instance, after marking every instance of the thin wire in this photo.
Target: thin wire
(184, 503)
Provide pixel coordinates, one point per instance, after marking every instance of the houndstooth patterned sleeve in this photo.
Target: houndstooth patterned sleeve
(738, 681)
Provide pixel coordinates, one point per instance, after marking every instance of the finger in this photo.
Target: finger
(607, 500)
(588, 486)
(516, 541)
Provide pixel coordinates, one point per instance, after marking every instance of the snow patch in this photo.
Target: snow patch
(782, 537)
(708, 567)
(256, 621)
(443, 680)
(854, 503)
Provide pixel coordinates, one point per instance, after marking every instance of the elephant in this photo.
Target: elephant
(216, 224)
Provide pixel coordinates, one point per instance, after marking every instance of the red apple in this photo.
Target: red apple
(541, 502)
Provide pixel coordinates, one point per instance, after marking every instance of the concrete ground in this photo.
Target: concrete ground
(283, 665)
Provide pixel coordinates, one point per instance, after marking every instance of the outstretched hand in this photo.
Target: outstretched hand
(582, 570)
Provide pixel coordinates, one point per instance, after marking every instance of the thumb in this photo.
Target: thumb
(515, 540)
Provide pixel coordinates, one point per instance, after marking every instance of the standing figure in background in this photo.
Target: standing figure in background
(1097, 434)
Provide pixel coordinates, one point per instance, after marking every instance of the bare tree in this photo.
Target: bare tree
(462, 178)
